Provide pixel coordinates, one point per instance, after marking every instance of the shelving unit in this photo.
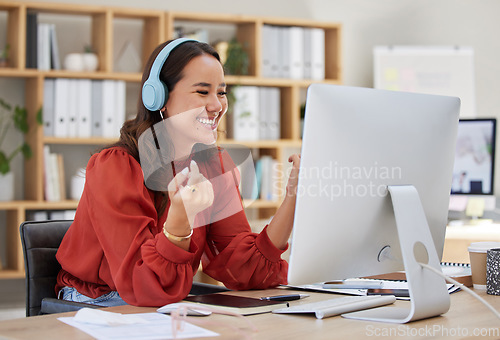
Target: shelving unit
(157, 26)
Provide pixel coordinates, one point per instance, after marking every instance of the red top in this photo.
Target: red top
(116, 240)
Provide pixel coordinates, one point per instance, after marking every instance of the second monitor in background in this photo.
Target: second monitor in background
(474, 168)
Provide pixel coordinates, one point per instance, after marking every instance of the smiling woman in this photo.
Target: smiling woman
(165, 198)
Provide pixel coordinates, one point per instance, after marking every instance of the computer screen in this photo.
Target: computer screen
(357, 142)
(473, 171)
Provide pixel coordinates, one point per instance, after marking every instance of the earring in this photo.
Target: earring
(161, 115)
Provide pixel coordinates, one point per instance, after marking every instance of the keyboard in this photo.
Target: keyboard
(339, 305)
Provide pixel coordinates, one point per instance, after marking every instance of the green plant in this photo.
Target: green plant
(237, 58)
(17, 117)
(88, 49)
(4, 54)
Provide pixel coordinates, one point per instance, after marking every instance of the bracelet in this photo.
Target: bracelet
(177, 238)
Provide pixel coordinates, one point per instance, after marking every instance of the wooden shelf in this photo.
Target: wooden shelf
(157, 27)
(38, 205)
(79, 141)
(264, 144)
(11, 274)
(259, 204)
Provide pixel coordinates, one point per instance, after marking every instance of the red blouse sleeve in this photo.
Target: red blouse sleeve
(234, 255)
(137, 260)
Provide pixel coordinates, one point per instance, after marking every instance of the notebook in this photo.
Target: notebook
(237, 304)
(460, 272)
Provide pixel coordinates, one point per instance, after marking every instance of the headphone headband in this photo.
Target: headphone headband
(154, 91)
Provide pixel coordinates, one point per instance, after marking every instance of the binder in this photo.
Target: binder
(264, 105)
(72, 108)
(43, 47)
(317, 48)
(55, 61)
(307, 53)
(268, 51)
(108, 103)
(84, 108)
(284, 49)
(31, 40)
(48, 106)
(296, 52)
(97, 108)
(61, 107)
(274, 116)
(274, 51)
(292, 52)
(246, 113)
(120, 104)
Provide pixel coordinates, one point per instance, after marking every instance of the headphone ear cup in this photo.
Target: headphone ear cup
(154, 94)
(154, 91)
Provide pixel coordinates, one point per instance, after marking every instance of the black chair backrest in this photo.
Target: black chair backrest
(40, 241)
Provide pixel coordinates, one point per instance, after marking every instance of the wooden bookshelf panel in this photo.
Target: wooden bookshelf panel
(14, 30)
(333, 54)
(33, 174)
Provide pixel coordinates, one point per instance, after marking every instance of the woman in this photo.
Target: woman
(141, 245)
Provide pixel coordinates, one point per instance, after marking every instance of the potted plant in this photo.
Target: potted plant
(4, 56)
(236, 59)
(16, 117)
(90, 59)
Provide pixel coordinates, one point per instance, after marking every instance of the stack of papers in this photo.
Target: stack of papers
(106, 325)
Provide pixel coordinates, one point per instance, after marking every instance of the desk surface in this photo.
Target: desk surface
(459, 237)
(465, 317)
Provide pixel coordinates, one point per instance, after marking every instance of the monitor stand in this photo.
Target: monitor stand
(428, 293)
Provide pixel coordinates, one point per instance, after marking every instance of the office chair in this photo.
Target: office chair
(40, 241)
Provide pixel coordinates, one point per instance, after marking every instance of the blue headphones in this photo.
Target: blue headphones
(154, 91)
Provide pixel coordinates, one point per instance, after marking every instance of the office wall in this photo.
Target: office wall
(376, 22)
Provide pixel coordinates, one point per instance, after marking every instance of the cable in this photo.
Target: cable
(467, 289)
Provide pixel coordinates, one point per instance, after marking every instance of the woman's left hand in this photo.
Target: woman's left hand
(291, 187)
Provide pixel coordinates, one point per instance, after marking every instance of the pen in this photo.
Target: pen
(290, 297)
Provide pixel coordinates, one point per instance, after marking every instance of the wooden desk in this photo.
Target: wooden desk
(466, 316)
(459, 237)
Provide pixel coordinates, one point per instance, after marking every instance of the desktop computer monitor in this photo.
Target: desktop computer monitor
(473, 171)
(474, 168)
(356, 143)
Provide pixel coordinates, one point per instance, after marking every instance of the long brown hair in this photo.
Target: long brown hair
(170, 74)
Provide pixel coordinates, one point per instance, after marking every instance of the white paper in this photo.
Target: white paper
(441, 70)
(152, 326)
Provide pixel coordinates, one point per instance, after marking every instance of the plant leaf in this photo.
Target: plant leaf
(39, 116)
(20, 118)
(5, 105)
(4, 163)
(26, 150)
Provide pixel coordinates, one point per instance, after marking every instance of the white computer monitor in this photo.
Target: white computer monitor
(356, 143)
(474, 168)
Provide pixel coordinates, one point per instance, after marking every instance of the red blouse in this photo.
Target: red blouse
(116, 240)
